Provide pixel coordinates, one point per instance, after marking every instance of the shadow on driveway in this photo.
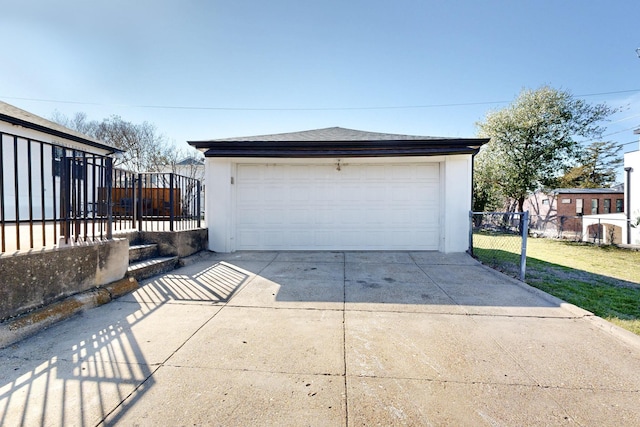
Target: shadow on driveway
(324, 338)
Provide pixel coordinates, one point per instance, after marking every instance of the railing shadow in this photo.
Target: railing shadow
(74, 376)
(217, 284)
(92, 367)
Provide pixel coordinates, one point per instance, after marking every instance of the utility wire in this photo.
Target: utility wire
(399, 107)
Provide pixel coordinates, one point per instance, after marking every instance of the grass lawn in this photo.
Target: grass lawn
(602, 279)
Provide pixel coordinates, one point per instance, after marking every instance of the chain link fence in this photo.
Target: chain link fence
(604, 229)
(499, 240)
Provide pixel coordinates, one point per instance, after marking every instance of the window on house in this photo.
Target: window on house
(606, 206)
(594, 206)
(566, 201)
(57, 153)
(579, 210)
(619, 205)
(78, 166)
(545, 201)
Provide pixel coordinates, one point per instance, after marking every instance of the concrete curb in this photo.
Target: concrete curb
(14, 330)
(627, 336)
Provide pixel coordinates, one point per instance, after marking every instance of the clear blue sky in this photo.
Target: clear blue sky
(210, 69)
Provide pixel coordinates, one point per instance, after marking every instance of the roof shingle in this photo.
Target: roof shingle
(337, 141)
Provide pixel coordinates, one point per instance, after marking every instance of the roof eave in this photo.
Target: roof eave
(318, 149)
(40, 128)
(339, 153)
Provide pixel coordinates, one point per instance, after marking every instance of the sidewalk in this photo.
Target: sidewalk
(326, 338)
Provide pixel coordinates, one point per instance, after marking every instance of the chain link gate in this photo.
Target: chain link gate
(499, 240)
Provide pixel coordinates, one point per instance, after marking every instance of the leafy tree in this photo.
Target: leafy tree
(597, 167)
(535, 139)
(486, 194)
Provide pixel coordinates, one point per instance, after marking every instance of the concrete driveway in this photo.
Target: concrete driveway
(326, 338)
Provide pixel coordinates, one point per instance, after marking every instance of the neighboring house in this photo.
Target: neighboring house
(192, 168)
(338, 189)
(32, 152)
(632, 190)
(559, 213)
(624, 225)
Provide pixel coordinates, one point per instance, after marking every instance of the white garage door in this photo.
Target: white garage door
(318, 207)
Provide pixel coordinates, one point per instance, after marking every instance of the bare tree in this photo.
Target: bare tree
(187, 162)
(145, 150)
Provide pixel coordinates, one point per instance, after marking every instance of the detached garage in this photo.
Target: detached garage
(338, 189)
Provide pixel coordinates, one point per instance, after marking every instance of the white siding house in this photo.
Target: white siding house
(632, 194)
(31, 152)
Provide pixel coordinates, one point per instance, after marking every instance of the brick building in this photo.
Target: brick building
(559, 212)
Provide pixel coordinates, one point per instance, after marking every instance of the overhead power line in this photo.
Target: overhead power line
(222, 108)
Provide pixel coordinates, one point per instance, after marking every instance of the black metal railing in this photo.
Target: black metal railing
(52, 195)
(47, 193)
(156, 201)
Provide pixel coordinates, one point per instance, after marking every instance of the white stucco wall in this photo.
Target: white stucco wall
(455, 203)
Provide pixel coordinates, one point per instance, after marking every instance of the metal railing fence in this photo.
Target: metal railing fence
(603, 229)
(48, 194)
(499, 239)
(156, 201)
(51, 195)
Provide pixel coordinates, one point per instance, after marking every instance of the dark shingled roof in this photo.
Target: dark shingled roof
(587, 191)
(337, 141)
(16, 116)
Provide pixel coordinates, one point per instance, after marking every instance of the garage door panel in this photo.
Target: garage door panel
(249, 240)
(375, 193)
(300, 217)
(375, 173)
(272, 193)
(324, 239)
(300, 238)
(251, 192)
(274, 217)
(248, 216)
(251, 173)
(349, 192)
(375, 217)
(275, 238)
(324, 217)
(299, 193)
(318, 207)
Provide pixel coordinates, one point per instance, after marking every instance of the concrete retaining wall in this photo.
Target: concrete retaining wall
(33, 279)
(177, 243)
(172, 243)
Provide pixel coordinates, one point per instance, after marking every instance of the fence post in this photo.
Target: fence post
(138, 200)
(198, 207)
(523, 250)
(171, 202)
(471, 233)
(65, 198)
(108, 178)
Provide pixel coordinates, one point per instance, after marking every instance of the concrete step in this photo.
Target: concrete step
(151, 267)
(142, 252)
